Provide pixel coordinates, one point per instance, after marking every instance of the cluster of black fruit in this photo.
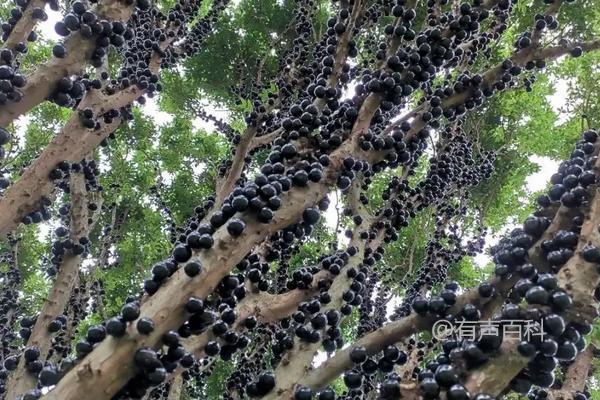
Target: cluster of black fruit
(164, 208)
(283, 253)
(48, 375)
(149, 39)
(138, 52)
(195, 36)
(89, 25)
(218, 316)
(5, 138)
(465, 83)
(68, 93)
(140, 38)
(39, 215)
(409, 68)
(304, 117)
(536, 284)
(255, 361)
(262, 198)
(77, 309)
(63, 171)
(372, 312)
(18, 12)
(223, 127)
(442, 251)
(563, 339)
(65, 246)
(9, 305)
(355, 297)
(60, 175)
(11, 80)
(105, 34)
(265, 188)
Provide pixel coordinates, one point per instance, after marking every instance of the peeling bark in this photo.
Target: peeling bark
(406, 371)
(176, 388)
(20, 380)
(24, 196)
(41, 82)
(24, 26)
(73, 143)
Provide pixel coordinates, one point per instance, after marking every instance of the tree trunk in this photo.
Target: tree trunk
(176, 388)
(20, 380)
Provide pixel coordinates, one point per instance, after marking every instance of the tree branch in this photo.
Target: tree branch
(24, 25)
(20, 380)
(42, 81)
(395, 331)
(579, 279)
(578, 372)
(226, 185)
(176, 388)
(104, 371)
(72, 144)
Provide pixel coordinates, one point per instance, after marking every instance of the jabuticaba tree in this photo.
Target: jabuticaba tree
(382, 108)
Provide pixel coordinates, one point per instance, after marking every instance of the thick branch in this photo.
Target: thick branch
(234, 172)
(41, 83)
(25, 195)
(71, 144)
(24, 25)
(265, 139)
(20, 380)
(104, 371)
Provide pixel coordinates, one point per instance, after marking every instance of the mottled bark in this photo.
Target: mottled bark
(41, 82)
(176, 388)
(73, 143)
(20, 380)
(24, 25)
